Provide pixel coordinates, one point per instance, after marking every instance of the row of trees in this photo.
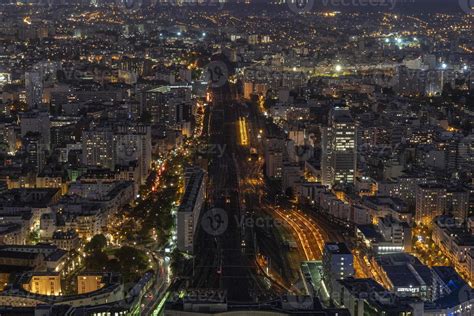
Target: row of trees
(129, 261)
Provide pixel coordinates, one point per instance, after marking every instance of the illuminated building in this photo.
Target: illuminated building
(39, 289)
(52, 179)
(35, 150)
(466, 152)
(338, 159)
(403, 187)
(133, 143)
(12, 233)
(248, 90)
(404, 275)
(457, 202)
(367, 297)
(274, 157)
(89, 283)
(168, 105)
(118, 145)
(67, 240)
(338, 263)
(430, 202)
(37, 257)
(42, 283)
(97, 148)
(388, 236)
(8, 138)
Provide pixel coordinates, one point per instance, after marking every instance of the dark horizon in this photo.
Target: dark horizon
(401, 6)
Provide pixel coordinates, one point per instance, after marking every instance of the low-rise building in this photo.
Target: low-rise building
(89, 282)
(446, 281)
(404, 275)
(382, 206)
(12, 234)
(454, 240)
(41, 283)
(67, 240)
(366, 297)
(40, 257)
(388, 236)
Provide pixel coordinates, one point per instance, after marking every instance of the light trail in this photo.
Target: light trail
(244, 138)
(308, 234)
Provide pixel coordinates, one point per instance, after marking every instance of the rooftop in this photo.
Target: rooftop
(337, 248)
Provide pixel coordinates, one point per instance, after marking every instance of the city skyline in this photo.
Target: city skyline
(237, 157)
